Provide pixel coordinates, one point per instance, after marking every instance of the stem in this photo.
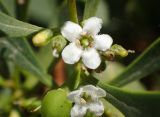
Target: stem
(73, 11)
(78, 77)
(90, 9)
(16, 79)
(22, 9)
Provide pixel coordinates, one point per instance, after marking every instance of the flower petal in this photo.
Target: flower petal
(71, 31)
(100, 92)
(92, 25)
(74, 96)
(71, 53)
(95, 92)
(89, 89)
(78, 111)
(91, 58)
(102, 42)
(96, 107)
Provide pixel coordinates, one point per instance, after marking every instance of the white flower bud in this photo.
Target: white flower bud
(42, 38)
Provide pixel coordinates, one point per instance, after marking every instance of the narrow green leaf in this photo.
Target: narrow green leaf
(21, 54)
(90, 8)
(8, 7)
(147, 63)
(16, 28)
(110, 110)
(112, 71)
(133, 104)
(56, 104)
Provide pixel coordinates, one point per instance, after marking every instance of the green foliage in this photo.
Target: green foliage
(5, 97)
(144, 65)
(90, 8)
(56, 104)
(133, 104)
(16, 28)
(73, 10)
(21, 54)
(8, 7)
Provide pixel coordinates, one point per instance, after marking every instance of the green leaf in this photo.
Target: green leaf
(21, 54)
(8, 7)
(147, 63)
(110, 110)
(56, 104)
(133, 104)
(16, 28)
(103, 11)
(45, 55)
(30, 82)
(90, 8)
(112, 71)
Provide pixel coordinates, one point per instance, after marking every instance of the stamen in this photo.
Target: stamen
(78, 44)
(83, 33)
(83, 101)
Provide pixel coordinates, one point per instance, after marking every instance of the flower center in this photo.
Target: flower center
(85, 97)
(86, 41)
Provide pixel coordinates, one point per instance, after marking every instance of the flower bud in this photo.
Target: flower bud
(109, 55)
(58, 43)
(42, 38)
(56, 104)
(119, 50)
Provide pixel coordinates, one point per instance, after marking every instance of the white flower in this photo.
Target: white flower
(84, 42)
(86, 99)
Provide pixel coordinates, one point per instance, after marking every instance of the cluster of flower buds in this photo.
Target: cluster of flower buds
(116, 51)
